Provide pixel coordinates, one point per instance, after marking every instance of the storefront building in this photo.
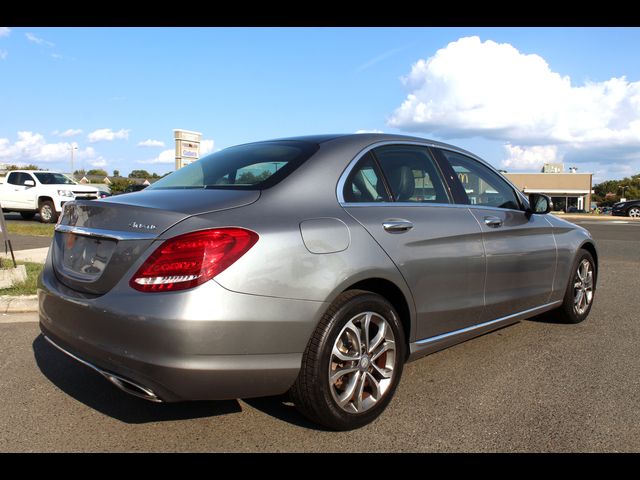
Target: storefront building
(567, 190)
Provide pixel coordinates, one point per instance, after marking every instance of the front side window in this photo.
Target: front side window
(18, 178)
(482, 186)
(14, 178)
(245, 167)
(412, 174)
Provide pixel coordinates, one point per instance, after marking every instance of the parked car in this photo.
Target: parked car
(575, 210)
(314, 265)
(630, 208)
(44, 192)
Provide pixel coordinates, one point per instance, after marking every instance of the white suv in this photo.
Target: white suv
(36, 191)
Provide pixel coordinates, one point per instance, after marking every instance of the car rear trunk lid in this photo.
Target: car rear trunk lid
(97, 242)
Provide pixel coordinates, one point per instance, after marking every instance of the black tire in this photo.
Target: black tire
(313, 393)
(48, 212)
(27, 215)
(633, 212)
(568, 312)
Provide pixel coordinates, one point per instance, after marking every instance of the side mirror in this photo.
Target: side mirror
(540, 203)
(29, 183)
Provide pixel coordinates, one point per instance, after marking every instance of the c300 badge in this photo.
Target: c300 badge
(142, 226)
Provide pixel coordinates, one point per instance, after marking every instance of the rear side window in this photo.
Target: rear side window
(365, 183)
(245, 167)
(482, 186)
(412, 174)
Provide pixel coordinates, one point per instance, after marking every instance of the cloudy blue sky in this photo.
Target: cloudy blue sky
(518, 97)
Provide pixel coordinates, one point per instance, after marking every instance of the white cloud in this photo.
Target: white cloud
(166, 156)
(106, 134)
(3, 54)
(39, 40)
(32, 147)
(206, 147)
(151, 143)
(473, 88)
(5, 32)
(99, 162)
(71, 132)
(530, 158)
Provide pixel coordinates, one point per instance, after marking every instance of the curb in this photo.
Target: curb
(17, 304)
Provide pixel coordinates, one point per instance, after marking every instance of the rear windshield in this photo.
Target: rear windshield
(254, 166)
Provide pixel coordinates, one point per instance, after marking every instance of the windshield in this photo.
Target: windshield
(247, 167)
(47, 178)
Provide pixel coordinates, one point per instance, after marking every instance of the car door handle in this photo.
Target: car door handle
(493, 222)
(397, 226)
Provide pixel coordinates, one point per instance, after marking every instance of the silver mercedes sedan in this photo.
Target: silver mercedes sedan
(313, 265)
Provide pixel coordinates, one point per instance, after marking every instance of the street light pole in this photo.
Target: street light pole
(72, 148)
(623, 187)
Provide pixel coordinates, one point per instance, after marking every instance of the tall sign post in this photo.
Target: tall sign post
(4, 234)
(187, 147)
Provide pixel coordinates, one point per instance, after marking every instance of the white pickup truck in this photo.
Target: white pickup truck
(35, 191)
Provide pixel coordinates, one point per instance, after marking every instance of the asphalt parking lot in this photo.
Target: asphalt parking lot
(537, 386)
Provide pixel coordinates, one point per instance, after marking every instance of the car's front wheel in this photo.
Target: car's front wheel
(634, 212)
(581, 290)
(353, 362)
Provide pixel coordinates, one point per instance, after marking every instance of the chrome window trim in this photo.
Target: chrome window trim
(347, 171)
(428, 204)
(100, 233)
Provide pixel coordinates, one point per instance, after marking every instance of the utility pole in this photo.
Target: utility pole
(72, 148)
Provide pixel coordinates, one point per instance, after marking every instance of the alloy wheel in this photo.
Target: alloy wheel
(634, 212)
(363, 360)
(46, 213)
(583, 287)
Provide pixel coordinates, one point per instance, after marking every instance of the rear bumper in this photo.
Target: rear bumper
(205, 344)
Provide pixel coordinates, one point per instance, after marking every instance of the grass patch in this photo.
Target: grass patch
(31, 228)
(25, 288)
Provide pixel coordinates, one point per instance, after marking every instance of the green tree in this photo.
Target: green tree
(23, 167)
(139, 174)
(116, 173)
(119, 184)
(610, 191)
(98, 171)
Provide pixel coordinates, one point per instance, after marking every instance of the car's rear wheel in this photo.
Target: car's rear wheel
(353, 362)
(634, 212)
(578, 298)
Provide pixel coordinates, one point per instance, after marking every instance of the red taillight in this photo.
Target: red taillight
(189, 260)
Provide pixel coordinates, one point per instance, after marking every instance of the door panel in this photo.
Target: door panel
(18, 195)
(441, 257)
(521, 260)
(520, 247)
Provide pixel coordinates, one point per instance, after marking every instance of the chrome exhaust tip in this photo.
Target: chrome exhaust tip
(123, 384)
(131, 388)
